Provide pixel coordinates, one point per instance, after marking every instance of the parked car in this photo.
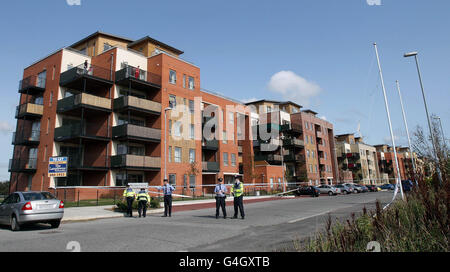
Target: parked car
(407, 185)
(344, 189)
(361, 188)
(372, 188)
(353, 188)
(307, 190)
(21, 208)
(387, 187)
(328, 189)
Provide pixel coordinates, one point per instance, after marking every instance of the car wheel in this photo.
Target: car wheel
(15, 226)
(330, 193)
(55, 224)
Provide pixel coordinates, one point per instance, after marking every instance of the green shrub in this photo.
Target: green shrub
(154, 202)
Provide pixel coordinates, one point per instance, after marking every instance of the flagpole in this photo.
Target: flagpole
(407, 130)
(398, 179)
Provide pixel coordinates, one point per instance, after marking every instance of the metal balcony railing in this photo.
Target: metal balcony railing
(138, 78)
(136, 132)
(210, 144)
(136, 162)
(95, 77)
(22, 165)
(137, 104)
(29, 109)
(84, 99)
(26, 137)
(32, 84)
(210, 166)
(76, 130)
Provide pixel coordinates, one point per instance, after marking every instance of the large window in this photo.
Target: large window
(172, 101)
(191, 106)
(170, 154)
(177, 154)
(225, 159)
(192, 131)
(191, 83)
(172, 77)
(41, 79)
(191, 155)
(192, 181)
(233, 159)
(177, 128)
(173, 179)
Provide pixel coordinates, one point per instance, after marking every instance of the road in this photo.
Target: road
(268, 226)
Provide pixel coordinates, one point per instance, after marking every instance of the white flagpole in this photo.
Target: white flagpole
(398, 180)
(407, 130)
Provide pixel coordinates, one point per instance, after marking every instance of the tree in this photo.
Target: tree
(4, 187)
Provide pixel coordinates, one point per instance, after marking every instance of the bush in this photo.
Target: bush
(416, 225)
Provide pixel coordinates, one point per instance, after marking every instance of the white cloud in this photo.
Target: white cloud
(293, 87)
(5, 127)
(248, 100)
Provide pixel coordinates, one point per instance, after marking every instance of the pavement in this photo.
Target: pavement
(276, 225)
(75, 214)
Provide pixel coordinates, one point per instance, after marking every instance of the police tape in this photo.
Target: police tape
(159, 193)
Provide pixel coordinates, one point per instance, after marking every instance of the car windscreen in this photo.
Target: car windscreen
(37, 196)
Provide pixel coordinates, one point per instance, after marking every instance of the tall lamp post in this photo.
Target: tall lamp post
(414, 54)
(165, 141)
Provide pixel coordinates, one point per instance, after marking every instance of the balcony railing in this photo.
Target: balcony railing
(293, 142)
(136, 162)
(137, 104)
(87, 161)
(210, 166)
(292, 128)
(293, 157)
(86, 78)
(210, 144)
(268, 157)
(76, 130)
(84, 100)
(129, 131)
(22, 165)
(319, 134)
(138, 79)
(26, 137)
(29, 110)
(32, 85)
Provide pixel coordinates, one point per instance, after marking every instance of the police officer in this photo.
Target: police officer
(237, 190)
(167, 190)
(143, 199)
(220, 192)
(129, 195)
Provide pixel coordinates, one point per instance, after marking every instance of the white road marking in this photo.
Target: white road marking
(303, 218)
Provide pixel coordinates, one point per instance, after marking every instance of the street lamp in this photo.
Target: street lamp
(165, 141)
(414, 54)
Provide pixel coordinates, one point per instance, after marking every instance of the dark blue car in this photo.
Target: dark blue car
(407, 185)
(387, 187)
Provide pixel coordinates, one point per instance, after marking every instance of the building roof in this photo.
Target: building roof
(273, 101)
(341, 135)
(310, 111)
(151, 40)
(98, 33)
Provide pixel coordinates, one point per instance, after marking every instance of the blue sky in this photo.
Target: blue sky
(240, 45)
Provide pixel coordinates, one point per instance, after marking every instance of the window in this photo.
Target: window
(172, 77)
(191, 83)
(184, 81)
(224, 138)
(316, 168)
(191, 106)
(53, 72)
(192, 131)
(310, 168)
(325, 155)
(306, 138)
(177, 128)
(106, 46)
(173, 179)
(172, 101)
(177, 154)
(51, 98)
(170, 154)
(269, 108)
(192, 181)
(48, 125)
(307, 153)
(231, 118)
(233, 159)
(306, 125)
(132, 121)
(41, 79)
(191, 155)
(225, 159)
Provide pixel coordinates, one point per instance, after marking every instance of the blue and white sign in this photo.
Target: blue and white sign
(57, 167)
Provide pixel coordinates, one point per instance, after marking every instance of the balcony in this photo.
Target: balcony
(92, 78)
(268, 157)
(293, 142)
(135, 162)
(354, 166)
(88, 162)
(138, 79)
(29, 111)
(22, 165)
(73, 132)
(210, 144)
(239, 149)
(322, 161)
(292, 128)
(26, 137)
(267, 128)
(319, 134)
(136, 133)
(210, 167)
(291, 157)
(73, 104)
(137, 106)
(32, 85)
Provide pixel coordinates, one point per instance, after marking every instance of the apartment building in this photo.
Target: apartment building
(104, 101)
(359, 158)
(387, 166)
(320, 164)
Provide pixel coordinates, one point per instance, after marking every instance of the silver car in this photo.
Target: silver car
(31, 207)
(328, 189)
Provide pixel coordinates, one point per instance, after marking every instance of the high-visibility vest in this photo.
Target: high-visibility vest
(129, 193)
(237, 190)
(143, 196)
